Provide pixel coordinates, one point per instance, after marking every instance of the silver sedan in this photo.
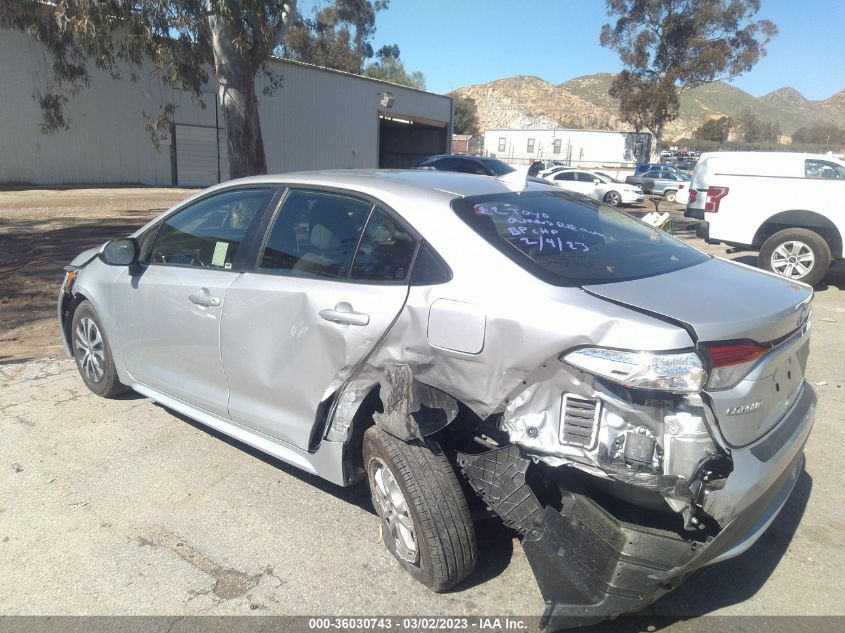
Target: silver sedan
(429, 333)
(662, 181)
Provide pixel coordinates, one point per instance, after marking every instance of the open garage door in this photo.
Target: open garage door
(201, 158)
(403, 142)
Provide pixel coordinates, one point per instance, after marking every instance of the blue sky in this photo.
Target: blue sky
(460, 42)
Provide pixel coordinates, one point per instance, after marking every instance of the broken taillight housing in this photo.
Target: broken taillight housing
(676, 372)
(693, 194)
(714, 198)
(731, 361)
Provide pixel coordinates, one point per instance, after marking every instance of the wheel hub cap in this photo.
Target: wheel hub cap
(90, 352)
(793, 259)
(393, 509)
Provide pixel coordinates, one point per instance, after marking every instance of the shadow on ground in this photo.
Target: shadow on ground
(33, 254)
(495, 541)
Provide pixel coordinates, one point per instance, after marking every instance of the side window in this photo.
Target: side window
(315, 234)
(530, 148)
(145, 244)
(209, 233)
(385, 252)
(462, 166)
(556, 146)
(585, 177)
(502, 143)
(566, 175)
(429, 269)
(478, 168)
(823, 169)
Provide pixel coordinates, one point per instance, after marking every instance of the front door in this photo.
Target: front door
(332, 277)
(168, 313)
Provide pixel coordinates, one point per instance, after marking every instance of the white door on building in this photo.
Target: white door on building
(201, 159)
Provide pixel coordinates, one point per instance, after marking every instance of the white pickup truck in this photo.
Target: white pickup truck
(788, 206)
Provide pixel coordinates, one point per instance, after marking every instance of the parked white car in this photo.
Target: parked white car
(597, 185)
(787, 206)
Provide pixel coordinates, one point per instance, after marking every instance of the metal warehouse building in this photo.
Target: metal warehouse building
(585, 148)
(318, 119)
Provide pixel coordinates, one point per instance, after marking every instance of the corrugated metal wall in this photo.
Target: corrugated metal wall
(318, 119)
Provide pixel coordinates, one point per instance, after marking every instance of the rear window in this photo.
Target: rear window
(568, 241)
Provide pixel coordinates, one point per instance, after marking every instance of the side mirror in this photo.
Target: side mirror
(120, 252)
(597, 181)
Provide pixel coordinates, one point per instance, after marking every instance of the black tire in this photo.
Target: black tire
(669, 195)
(443, 528)
(613, 198)
(97, 371)
(772, 259)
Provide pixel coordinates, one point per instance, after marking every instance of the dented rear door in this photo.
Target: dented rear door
(293, 330)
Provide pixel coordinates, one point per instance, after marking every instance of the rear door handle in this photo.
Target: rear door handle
(205, 300)
(345, 316)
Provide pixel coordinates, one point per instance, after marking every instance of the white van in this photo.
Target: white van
(788, 206)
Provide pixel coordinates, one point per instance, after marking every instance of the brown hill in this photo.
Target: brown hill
(583, 102)
(833, 108)
(530, 102)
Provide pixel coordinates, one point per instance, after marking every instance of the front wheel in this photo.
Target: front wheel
(798, 254)
(425, 517)
(669, 195)
(92, 352)
(613, 198)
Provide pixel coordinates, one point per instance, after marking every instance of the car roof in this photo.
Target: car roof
(389, 181)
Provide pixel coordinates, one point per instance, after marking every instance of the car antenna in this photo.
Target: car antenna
(514, 180)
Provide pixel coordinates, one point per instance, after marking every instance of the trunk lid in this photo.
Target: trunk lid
(723, 301)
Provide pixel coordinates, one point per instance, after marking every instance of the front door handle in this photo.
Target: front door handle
(205, 300)
(345, 315)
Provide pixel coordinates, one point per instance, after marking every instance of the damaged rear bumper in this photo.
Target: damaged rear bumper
(591, 565)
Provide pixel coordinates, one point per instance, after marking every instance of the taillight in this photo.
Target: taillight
(676, 372)
(692, 194)
(731, 361)
(714, 197)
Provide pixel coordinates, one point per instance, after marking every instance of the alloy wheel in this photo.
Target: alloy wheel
(793, 259)
(90, 351)
(394, 511)
(613, 198)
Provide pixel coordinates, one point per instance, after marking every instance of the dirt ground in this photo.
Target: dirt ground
(41, 231)
(113, 507)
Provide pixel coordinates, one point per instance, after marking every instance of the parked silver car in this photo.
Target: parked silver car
(418, 329)
(663, 181)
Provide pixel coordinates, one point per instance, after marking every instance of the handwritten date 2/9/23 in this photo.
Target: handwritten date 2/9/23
(538, 221)
(546, 238)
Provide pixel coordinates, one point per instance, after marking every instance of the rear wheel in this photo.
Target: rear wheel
(426, 520)
(798, 254)
(613, 198)
(669, 195)
(92, 353)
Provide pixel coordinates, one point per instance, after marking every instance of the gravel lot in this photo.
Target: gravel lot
(124, 507)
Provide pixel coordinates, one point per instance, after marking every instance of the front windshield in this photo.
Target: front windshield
(498, 167)
(567, 240)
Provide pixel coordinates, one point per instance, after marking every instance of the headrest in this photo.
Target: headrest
(323, 239)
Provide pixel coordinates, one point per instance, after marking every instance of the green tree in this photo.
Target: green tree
(338, 36)
(388, 67)
(466, 114)
(190, 42)
(755, 130)
(820, 134)
(716, 130)
(669, 46)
